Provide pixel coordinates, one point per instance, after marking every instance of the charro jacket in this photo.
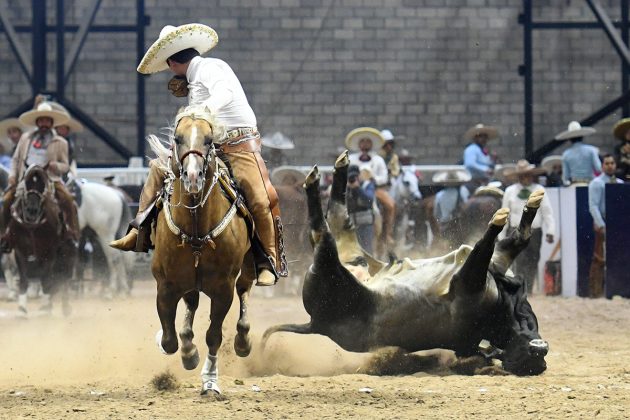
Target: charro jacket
(56, 152)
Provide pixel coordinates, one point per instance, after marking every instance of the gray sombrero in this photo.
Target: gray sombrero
(281, 174)
(488, 130)
(175, 39)
(574, 130)
(451, 177)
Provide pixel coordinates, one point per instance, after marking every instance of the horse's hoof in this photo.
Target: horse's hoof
(312, 177)
(211, 389)
(535, 198)
(342, 160)
(242, 346)
(500, 217)
(190, 361)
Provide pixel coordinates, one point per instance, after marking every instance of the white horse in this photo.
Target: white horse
(105, 211)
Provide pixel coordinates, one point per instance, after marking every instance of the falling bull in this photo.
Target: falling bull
(451, 302)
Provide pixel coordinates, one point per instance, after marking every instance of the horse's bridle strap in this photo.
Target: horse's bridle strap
(192, 152)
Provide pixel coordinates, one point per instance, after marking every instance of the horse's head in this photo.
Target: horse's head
(196, 130)
(35, 190)
(406, 186)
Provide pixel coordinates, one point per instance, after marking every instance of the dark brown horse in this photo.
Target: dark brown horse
(201, 244)
(38, 237)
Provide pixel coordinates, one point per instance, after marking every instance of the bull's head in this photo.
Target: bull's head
(516, 331)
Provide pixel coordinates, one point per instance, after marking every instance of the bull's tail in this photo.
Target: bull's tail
(293, 328)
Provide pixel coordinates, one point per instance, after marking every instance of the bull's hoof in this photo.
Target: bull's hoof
(500, 217)
(535, 198)
(312, 177)
(342, 160)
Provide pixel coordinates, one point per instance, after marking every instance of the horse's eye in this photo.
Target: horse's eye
(207, 141)
(178, 139)
(406, 183)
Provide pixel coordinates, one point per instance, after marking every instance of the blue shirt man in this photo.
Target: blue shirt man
(597, 191)
(580, 161)
(476, 159)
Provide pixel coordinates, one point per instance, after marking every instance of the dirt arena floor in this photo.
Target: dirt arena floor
(100, 361)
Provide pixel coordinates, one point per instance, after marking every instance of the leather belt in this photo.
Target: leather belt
(240, 132)
(251, 145)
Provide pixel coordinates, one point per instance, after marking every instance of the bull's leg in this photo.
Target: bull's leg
(471, 278)
(314, 202)
(221, 302)
(166, 301)
(509, 248)
(189, 352)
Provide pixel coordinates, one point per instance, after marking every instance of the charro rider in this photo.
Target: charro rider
(581, 161)
(361, 141)
(43, 147)
(210, 82)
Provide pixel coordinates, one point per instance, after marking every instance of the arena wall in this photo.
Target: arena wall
(314, 69)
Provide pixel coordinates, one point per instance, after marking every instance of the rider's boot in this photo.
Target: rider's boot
(150, 191)
(6, 241)
(127, 242)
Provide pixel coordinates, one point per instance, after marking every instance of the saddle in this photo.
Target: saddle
(145, 220)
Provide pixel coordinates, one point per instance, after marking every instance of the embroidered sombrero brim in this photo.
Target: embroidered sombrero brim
(281, 174)
(455, 177)
(9, 123)
(489, 131)
(356, 135)
(175, 39)
(621, 128)
(571, 134)
(549, 162)
(75, 126)
(58, 117)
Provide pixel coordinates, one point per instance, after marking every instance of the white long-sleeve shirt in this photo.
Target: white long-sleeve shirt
(212, 82)
(376, 165)
(544, 217)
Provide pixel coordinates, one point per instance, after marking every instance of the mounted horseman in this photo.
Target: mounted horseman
(211, 83)
(42, 147)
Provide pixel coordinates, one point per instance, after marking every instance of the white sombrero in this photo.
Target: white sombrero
(278, 141)
(489, 131)
(74, 125)
(281, 174)
(10, 123)
(489, 190)
(549, 162)
(353, 137)
(175, 39)
(523, 167)
(45, 109)
(451, 177)
(574, 130)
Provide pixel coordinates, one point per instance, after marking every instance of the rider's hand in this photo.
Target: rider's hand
(178, 85)
(549, 239)
(51, 166)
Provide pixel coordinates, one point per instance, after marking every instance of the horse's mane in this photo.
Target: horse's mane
(162, 147)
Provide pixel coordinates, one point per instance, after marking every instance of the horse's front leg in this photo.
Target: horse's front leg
(166, 301)
(22, 283)
(189, 352)
(221, 300)
(48, 284)
(242, 342)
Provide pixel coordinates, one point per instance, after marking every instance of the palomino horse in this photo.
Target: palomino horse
(201, 243)
(39, 238)
(103, 209)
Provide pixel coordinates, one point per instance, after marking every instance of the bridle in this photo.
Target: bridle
(193, 238)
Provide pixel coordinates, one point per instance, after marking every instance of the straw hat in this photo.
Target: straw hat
(74, 125)
(550, 161)
(490, 131)
(489, 190)
(452, 177)
(523, 167)
(175, 39)
(574, 130)
(10, 123)
(278, 141)
(353, 137)
(44, 109)
(281, 174)
(621, 128)
(505, 173)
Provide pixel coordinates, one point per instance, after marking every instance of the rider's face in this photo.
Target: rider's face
(365, 145)
(63, 130)
(14, 133)
(44, 124)
(177, 68)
